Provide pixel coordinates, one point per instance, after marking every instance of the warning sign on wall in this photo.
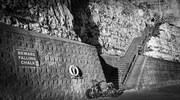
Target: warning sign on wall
(26, 57)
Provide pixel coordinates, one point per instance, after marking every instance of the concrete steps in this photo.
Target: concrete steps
(132, 61)
(129, 59)
(135, 73)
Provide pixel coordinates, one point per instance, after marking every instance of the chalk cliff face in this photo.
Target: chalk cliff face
(118, 23)
(108, 24)
(47, 17)
(166, 44)
(112, 24)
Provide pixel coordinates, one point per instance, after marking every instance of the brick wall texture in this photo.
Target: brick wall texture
(51, 80)
(159, 73)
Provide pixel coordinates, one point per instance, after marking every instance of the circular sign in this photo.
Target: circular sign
(73, 70)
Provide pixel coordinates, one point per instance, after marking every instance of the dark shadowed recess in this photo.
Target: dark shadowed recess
(110, 72)
(82, 18)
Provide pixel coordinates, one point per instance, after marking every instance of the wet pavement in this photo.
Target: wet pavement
(165, 93)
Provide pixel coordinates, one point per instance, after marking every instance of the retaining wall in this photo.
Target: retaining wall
(51, 78)
(159, 73)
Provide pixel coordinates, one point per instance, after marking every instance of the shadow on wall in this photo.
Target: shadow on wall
(89, 33)
(111, 73)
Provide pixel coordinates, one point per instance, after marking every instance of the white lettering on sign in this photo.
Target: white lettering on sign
(26, 58)
(28, 63)
(26, 53)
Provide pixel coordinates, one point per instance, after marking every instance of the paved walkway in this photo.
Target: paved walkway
(166, 93)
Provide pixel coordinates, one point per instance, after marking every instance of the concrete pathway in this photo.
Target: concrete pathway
(166, 93)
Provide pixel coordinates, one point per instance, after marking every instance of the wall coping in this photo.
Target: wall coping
(14, 29)
(114, 56)
(169, 61)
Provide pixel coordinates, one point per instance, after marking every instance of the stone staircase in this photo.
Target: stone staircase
(132, 61)
(136, 71)
(128, 60)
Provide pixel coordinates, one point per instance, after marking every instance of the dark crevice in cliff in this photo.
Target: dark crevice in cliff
(83, 22)
(82, 19)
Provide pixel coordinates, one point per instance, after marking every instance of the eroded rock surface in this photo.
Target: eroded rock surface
(166, 44)
(53, 18)
(108, 24)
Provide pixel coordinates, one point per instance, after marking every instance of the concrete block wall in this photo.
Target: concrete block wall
(159, 73)
(51, 80)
